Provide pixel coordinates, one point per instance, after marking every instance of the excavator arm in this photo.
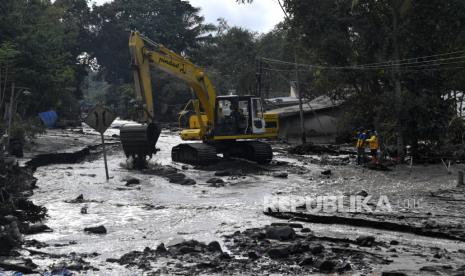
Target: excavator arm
(243, 121)
(168, 61)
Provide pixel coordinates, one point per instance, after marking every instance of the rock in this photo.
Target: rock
(307, 261)
(37, 228)
(132, 181)
(362, 193)
(253, 255)
(215, 180)
(436, 268)
(176, 178)
(430, 224)
(326, 172)
(185, 167)
(79, 199)
(258, 235)
(215, 246)
(161, 248)
(292, 225)
(280, 233)
(437, 255)
(188, 182)
(279, 252)
(345, 267)
(8, 243)
(306, 230)
(186, 249)
(327, 266)
(365, 240)
(393, 273)
(24, 266)
(394, 242)
(317, 249)
(223, 173)
(96, 230)
(216, 185)
(280, 174)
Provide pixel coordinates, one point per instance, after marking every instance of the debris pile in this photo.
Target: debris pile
(171, 174)
(18, 215)
(310, 148)
(277, 248)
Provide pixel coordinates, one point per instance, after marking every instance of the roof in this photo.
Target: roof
(317, 104)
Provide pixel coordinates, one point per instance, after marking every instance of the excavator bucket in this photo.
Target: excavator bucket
(139, 140)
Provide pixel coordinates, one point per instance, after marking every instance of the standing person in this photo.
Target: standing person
(374, 146)
(360, 146)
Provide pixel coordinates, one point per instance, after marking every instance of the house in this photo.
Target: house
(322, 117)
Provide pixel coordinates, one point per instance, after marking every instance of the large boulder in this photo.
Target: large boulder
(96, 230)
(279, 252)
(282, 233)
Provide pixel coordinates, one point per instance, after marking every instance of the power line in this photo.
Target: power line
(405, 69)
(409, 59)
(416, 62)
(419, 64)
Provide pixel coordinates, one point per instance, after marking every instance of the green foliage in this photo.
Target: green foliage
(45, 40)
(26, 129)
(8, 52)
(347, 32)
(456, 131)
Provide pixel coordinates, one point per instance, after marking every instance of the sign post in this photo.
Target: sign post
(100, 118)
(105, 156)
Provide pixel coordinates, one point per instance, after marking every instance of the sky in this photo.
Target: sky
(260, 16)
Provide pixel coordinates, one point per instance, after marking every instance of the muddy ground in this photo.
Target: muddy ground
(178, 219)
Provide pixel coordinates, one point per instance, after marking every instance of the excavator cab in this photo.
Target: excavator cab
(238, 115)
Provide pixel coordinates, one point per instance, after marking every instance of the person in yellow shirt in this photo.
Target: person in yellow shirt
(374, 146)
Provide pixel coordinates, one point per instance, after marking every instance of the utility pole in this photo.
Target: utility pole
(301, 109)
(297, 85)
(258, 74)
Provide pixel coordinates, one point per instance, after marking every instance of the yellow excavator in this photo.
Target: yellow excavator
(230, 125)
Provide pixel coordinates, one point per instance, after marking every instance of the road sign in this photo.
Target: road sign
(100, 118)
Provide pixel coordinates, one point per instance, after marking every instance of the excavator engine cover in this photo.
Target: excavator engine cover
(139, 140)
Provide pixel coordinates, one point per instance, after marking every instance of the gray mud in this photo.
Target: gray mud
(161, 208)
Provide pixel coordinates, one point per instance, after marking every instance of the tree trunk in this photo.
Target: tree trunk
(3, 91)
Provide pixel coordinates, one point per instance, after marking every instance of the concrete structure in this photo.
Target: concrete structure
(279, 102)
(322, 121)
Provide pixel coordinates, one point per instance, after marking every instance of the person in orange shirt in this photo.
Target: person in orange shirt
(374, 146)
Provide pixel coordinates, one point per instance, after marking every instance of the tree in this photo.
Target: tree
(343, 34)
(173, 23)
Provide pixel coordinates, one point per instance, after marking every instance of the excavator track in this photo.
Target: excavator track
(259, 152)
(194, 154)
(255, 151)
